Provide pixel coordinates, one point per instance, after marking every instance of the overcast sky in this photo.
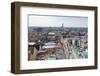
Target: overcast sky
(57, 21)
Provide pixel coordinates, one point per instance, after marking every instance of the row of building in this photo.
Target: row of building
(58, 44)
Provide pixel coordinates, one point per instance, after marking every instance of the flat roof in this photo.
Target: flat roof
(31, 43)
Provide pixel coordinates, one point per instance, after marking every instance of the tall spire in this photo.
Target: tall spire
(62, 26)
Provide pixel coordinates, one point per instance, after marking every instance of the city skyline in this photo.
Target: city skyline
(57, 37)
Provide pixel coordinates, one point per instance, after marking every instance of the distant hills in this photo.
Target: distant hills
(76, 29)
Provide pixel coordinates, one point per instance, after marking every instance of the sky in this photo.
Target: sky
(57, 21)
